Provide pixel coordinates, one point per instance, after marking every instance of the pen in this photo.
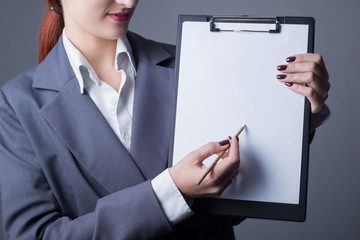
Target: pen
(217, 159)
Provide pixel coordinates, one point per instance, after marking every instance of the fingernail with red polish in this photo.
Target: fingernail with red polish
(281, 67)
(281, 76)
(291, 59)
(224, 142)
(288, 84)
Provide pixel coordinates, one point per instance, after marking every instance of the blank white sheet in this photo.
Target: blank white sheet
(227, 79)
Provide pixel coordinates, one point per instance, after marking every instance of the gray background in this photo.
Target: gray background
(334, 193)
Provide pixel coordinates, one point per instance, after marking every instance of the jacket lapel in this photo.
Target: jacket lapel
(152, 107)
(80, 124)
(77, 120)
(151, 119)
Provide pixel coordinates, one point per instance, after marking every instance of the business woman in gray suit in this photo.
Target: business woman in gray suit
(84, 135)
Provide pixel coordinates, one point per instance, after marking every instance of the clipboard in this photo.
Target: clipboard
(225, 78)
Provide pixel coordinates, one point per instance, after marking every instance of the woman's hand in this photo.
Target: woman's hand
(307, 69)
(187, 172)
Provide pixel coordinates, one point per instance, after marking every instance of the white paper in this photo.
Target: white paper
(228, 79)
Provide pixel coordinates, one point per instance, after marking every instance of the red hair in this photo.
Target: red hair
(51, 29)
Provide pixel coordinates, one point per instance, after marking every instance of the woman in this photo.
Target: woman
(85, 144)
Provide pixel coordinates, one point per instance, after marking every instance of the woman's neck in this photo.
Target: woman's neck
(100, 53)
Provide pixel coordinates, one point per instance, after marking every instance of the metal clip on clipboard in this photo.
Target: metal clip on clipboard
(254, 24)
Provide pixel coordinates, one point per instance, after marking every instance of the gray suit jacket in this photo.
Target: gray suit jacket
(64, 173)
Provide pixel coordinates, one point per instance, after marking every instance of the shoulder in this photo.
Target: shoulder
(153, 51)
(134, 37)
(52, 74)
(18, 99)
(22, 94)
(20, 84)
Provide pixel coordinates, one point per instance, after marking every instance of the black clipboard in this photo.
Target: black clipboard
(280, 210)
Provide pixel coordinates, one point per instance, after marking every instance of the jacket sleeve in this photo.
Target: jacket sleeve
(317, 119)
(30, 210)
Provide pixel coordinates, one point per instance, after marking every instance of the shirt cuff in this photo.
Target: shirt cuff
(171, 200)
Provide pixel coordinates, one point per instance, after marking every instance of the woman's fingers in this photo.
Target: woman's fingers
(316, 99)
(308, 79)
(306, 74)
(310, 57)
(231, 162)
(207, 150)
(223, 182)
(187, 172)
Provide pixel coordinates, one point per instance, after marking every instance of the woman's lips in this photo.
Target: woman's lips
(119, 16)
